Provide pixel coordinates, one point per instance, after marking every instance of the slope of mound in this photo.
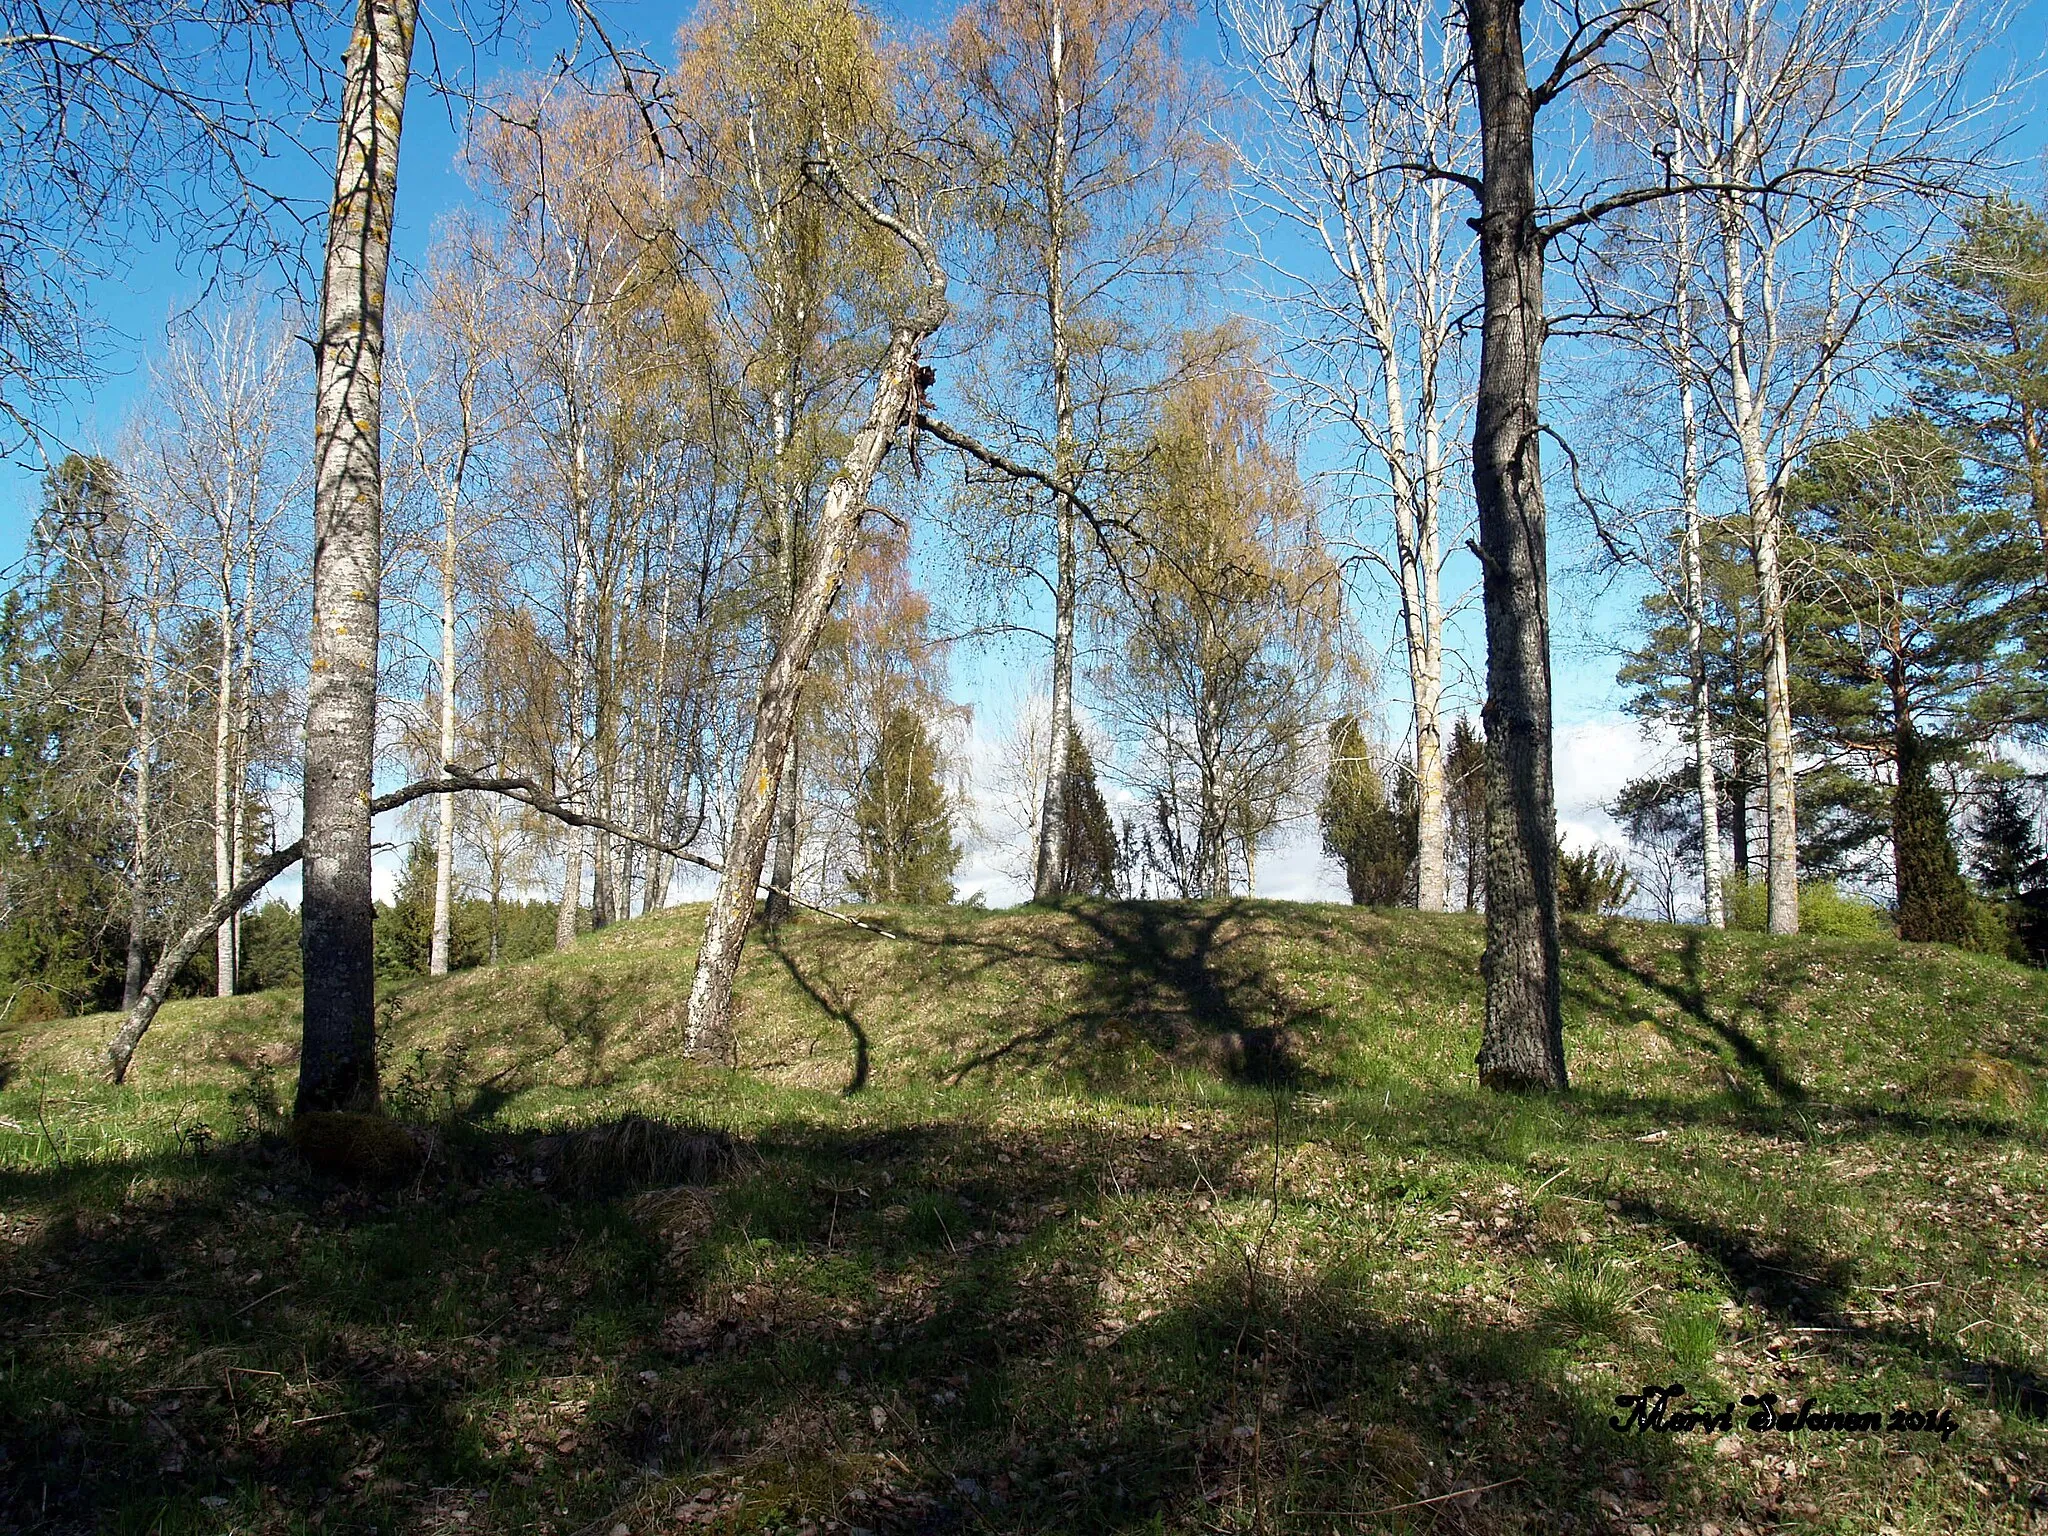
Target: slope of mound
(1114, 1217)
(1121, 998)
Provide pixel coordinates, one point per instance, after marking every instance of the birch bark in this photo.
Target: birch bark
(338, 1059)
(732, 907)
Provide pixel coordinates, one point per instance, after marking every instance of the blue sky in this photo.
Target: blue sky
(1597, 747)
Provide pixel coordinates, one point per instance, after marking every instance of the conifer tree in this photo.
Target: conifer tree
(1089, 862)
(903, 820)
(2011, 867)
(1979, 350)
(405, 928)
(1372, 840)
(1903, 638)
(1935, 906)
(1465, 778)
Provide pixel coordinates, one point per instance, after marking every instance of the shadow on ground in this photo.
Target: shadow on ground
(910, 1330)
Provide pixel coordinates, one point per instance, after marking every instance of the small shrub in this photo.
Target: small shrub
(1588, 1300)
(1595, 882)
(1823, 911)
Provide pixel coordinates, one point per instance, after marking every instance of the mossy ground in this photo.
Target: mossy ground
(1141, 1217)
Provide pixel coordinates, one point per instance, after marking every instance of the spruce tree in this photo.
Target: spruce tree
(1934, 905)
(903, 820)
(405, 928)
(1465, 806)
(2011, 866)
(1090, 862)
(1361, 830)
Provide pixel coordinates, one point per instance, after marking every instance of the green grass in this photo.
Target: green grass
(1144, 1217)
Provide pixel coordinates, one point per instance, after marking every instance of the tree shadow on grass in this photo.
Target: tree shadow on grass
(1111, 994)
(920, 1329)
(832, 1004)
(1799, 1286)
(1770, 1097)
(1708, 1030)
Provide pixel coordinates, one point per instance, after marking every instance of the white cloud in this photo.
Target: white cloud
(1593, 759)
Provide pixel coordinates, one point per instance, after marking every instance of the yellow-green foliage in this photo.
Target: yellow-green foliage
(1824, 912)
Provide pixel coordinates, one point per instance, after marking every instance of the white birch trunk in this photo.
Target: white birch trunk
(145, 767)
(732, 907)
(444, 830)
(1052, 876)
(223, 770)
(1766, 531)
(338, 1060)
(1694, 588)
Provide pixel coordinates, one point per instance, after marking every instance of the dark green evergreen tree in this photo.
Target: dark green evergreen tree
(903, 820)
(1465, 807)
(405, 926)
(1934, 904)
(1362, 831)
(64, 836)
(1904, 654)
(2011, 867)
(1093, 861)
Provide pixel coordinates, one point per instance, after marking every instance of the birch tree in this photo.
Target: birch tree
(445, 428)
(795, 287)
(338, 1059)
(1829, 140)
(1648, 284)
(1230, 649)
(1094, 178)
(1373, 312)
(219, 460)
(875, 177)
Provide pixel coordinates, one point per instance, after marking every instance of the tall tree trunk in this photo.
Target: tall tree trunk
(579, 694)
(245, 734)
(145, 767)
(1693, 587)
(788, 808)
(1051, 877)
(2035, 451)
(656, 774)
(732, 907)
(338, 1058)
(1766, 515)
(788, 819)
(1415, 549)
(1739, 784)
(1522, 1045)
(444, 829)
(223, 765)
(1704, 775)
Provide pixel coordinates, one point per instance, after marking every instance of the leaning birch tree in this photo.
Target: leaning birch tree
(874, 181)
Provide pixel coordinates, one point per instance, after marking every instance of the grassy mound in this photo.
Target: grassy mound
(1109, 1217)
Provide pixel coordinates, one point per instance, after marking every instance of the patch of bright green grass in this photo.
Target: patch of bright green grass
(1159, 1217)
